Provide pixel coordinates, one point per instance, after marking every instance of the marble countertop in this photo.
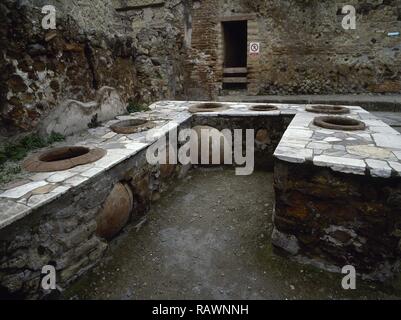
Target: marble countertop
(375, 151)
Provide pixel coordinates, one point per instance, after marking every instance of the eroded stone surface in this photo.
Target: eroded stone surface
(60, 177)
(287, 242)
(396, 166)
(369, 151)
(295, 155)
(397, 154)
(379, 168)
(10, 211)
(339, 219)
(20, 191)
(341, 164)
(387, 140)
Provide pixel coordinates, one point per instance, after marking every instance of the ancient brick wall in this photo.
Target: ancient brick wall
(307, 51)
(202, 68)
(304, 49)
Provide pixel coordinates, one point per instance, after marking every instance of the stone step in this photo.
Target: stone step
(235, 70)
(235, 80)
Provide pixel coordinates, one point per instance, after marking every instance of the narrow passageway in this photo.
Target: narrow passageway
(209, 238)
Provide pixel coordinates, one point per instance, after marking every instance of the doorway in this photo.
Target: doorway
(235, 54)
(235, 44)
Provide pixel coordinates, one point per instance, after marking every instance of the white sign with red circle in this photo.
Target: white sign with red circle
(254, 48)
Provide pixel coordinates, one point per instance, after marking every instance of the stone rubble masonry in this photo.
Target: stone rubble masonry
(57, 80)
(304, 49)
(97, 61)
(323, 217)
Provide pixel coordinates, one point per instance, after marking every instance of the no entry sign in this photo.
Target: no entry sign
(254, 48)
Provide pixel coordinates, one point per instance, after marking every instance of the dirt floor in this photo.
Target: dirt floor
(209, 238)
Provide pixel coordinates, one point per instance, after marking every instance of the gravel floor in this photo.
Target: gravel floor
(209, 238)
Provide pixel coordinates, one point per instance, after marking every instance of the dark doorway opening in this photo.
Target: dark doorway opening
(235, 54)
(235, 43)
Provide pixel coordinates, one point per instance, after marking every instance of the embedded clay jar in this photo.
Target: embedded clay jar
(339, 123)
(115, 211)
(132, 126)
(215, 136)
(263, 107)
(328, 109)
(262, 137)
(63, 158)
(167, 169)
(208, 107)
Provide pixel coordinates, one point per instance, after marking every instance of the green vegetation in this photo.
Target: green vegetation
(136, 107)
(8, 170)
(12, 152)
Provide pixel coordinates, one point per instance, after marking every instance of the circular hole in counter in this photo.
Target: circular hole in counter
(65, 153)
(62, 158)
(132, 126)
(329, 109)
(339, 123)
(208, 107)
(263, 107)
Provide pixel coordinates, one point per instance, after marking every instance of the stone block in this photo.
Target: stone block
(332, 219)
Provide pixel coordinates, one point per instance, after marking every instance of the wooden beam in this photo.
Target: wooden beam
(139, 4)
(242, 17)
(235, 70)
(235, 80)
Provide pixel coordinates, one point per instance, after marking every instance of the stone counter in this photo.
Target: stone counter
(51, 218)
(20, 199)
(337, 193)
(374, 151)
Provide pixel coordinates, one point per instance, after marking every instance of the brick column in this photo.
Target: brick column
(253, 61)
